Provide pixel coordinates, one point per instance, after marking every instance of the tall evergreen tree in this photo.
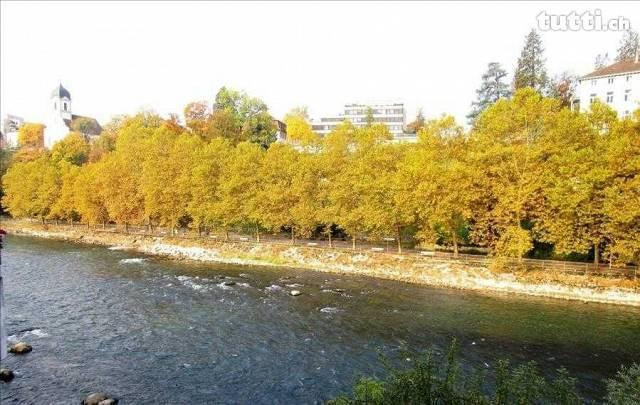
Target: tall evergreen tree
(492, 89)
(629, 45)
(531, 71)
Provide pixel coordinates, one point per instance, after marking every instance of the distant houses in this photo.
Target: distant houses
(617, 85)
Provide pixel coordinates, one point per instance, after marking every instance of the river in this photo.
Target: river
(154, 331)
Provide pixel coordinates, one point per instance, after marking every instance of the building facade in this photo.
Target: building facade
(617, 85)
(10, 127)
(392, 115)
(61, 120)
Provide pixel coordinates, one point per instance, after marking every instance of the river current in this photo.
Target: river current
(149, 330)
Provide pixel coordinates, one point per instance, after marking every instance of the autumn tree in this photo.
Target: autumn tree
(298, 128)
(563, 88)
(507, 162)
(31, 135)
(73, 149)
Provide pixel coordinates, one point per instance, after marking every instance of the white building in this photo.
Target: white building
(392, 115)
(618, 85)
(61, 121)
(10, 127)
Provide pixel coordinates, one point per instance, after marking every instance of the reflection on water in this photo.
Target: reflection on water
(149, 330)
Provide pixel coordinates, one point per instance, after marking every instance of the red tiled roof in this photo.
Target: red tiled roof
(626, 66)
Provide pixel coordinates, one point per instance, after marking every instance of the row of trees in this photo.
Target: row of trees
(530, 174)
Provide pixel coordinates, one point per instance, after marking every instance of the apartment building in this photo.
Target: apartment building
(392, 115)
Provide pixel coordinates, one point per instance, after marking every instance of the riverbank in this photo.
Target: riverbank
(412, 269)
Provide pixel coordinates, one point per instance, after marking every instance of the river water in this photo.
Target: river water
(154, 331)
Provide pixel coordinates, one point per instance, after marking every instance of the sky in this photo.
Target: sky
(123, 57)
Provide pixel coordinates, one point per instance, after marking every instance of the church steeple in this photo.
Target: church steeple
(61, 102)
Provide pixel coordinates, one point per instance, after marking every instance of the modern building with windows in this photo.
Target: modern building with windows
(392, 115)
(617, 85)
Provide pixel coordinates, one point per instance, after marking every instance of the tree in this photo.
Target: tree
(298, 128)
(629, 46)
(207, 172)
(65, 205)
(417, 124)
(441, 181)
(32, 188)
(574, 218)
(250, 115)
(196, 116)
(563, 88)
(507, 160)
(602, 60)
(622, 192)
(90, 192)
(73, 148)
(237, 203)
(368, 119)
(166, 176)
(531, 71)
(31, 135)
(492, 89)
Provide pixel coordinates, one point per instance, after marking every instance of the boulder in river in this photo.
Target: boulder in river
(6, 374)
(99, 398)
(229, 283)
(295, 293)
(20, 348)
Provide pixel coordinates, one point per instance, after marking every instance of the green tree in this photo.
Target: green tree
(492, 89)
(531, 71)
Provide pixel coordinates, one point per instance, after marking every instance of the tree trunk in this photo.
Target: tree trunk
(226, 234)
(56, 221)
(353, 242)
(126, 227)
(42, 220)
(330, 240)
(399, 237)
(104, 224)
(72, 222)
(88, 226)
(455, 244)
(257, 234)
(596, 255)
(293, 236)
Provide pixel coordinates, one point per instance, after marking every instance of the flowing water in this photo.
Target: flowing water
(153, 331)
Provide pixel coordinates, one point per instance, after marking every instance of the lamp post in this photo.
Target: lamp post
(3, 330)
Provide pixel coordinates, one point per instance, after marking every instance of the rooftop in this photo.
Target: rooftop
(626, 66)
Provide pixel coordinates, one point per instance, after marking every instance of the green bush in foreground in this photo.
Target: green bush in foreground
(428, 382)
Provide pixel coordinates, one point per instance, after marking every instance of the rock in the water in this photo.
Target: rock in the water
(339, 290)
(229, 283)
(99, 398)
(6, 374)
(295, 293)
(20, 348)
(244, 275)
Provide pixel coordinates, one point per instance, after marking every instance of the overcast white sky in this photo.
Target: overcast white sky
(121, 57)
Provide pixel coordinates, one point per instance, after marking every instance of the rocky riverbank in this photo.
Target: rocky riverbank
(408, 268)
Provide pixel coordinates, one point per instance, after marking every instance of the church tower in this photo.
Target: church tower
(61, 102)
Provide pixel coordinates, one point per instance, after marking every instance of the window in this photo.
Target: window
(627, 95)
(592, 98)
(610, 97)
(610, 80)
(593, 82)
(628, 78)
(65, 106)
(55, 106)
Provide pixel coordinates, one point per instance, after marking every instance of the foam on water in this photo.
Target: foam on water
(330, 310)
(134, 260)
